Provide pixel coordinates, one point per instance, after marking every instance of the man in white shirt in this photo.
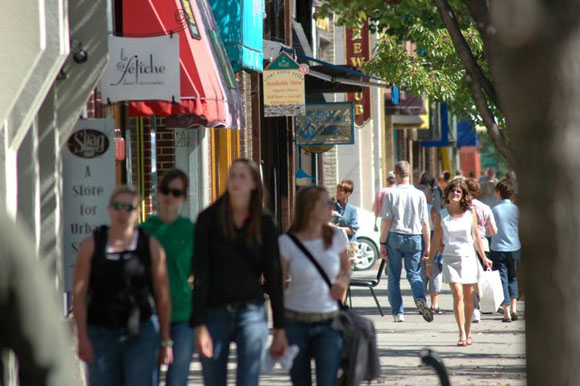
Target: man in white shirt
(405, 234)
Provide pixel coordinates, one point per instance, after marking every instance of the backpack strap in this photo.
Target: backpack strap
(307, 253)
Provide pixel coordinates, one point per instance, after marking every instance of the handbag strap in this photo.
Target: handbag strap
(307, 253)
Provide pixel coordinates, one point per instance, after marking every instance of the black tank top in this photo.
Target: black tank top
(120, 293)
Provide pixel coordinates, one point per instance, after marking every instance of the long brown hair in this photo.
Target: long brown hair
(306, 200)
(465, 202)
(225, 217)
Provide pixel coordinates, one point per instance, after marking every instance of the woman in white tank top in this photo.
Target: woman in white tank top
(456, 229)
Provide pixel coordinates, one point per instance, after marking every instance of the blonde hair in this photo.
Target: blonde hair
(125, 189)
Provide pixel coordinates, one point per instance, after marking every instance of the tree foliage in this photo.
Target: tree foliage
(432, 67)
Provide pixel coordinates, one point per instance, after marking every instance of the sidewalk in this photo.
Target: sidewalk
(497, 356)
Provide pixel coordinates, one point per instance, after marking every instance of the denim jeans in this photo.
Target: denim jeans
(124, 361)
(183, 347)
(246, 327)
(404, 247)
(316, 341)
(507, 263)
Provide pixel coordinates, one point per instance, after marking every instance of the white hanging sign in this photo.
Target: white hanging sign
(88, 160)
(142, 69)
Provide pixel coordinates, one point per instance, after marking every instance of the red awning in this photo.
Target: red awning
(207, 90)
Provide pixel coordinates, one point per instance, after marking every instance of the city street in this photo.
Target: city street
(497, 356)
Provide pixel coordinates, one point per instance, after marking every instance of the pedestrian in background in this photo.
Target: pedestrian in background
(175, 233)
(310, 304)
(427, 180)
(380, 197)
(121, 300)
(505, 247)
(431, 285)
(345, 215)
(405, 235)
(456, 227)
(236, 244)
(486, 227)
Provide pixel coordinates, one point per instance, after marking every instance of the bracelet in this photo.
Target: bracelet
(429, 264)
(383, 243)
(166, 343)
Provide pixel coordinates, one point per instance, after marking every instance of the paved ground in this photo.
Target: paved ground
(497, 356)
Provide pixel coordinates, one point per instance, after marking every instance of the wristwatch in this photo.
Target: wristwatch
(166, 343)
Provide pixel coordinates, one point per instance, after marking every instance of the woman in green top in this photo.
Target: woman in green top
(175, 233)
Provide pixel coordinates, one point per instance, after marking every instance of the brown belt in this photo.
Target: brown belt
(309, 317)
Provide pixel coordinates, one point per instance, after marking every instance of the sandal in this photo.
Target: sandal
(461, 343)
(468, 341)
(436, 310)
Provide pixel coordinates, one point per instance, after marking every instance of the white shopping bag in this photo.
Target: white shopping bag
(490, 291)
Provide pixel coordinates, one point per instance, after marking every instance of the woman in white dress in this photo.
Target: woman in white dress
(456, 228)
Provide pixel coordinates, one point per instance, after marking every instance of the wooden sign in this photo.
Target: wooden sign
(357, 54)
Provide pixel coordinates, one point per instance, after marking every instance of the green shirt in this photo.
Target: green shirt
(177, 241)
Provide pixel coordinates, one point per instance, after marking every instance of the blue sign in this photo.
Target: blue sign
(326, 124)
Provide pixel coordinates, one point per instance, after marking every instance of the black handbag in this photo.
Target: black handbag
(358, 363)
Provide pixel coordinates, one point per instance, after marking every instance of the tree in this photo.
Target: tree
(455, 59)
(539, 41)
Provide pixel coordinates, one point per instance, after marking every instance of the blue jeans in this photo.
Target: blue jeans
(316, 341)
(123, 361)
(404, 247)
(249, 330)
(183, 347)
(507, 263)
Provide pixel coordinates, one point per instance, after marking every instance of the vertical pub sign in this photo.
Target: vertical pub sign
(357, 54)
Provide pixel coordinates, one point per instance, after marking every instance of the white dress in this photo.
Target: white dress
(459, 259)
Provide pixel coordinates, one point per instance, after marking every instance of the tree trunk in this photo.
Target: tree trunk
(477, 81)
(540, 42)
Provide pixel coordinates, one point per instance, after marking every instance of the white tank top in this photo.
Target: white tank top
(457, 234)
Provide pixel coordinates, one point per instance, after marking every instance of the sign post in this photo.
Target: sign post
(283, 85)
(326, 124)
(88, 180)
(357, 53)
(142, 69)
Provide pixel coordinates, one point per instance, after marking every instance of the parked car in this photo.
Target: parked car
(368, 241)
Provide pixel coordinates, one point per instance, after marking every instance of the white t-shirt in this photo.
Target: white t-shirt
(406, 207)
(307, 291)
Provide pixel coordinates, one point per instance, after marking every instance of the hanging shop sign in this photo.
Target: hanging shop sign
(357, 54)
(283, 85)
(88, 160)
(142, 69)
(317, 149)
(326, 124)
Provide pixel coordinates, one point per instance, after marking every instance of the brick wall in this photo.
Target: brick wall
(330, 158)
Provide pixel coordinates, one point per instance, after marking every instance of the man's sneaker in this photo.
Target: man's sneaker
(425, 312)
(399, 318)
(476, 316)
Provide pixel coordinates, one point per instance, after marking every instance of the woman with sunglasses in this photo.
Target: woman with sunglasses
(121, 299)
(310, 304)
(236, 245)
(175, 233)
(456, 227)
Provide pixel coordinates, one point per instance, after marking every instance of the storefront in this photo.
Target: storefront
(197, 131)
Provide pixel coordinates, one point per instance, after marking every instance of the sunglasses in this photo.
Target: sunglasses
(121, 206)
(175, 192)
(328, 203)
